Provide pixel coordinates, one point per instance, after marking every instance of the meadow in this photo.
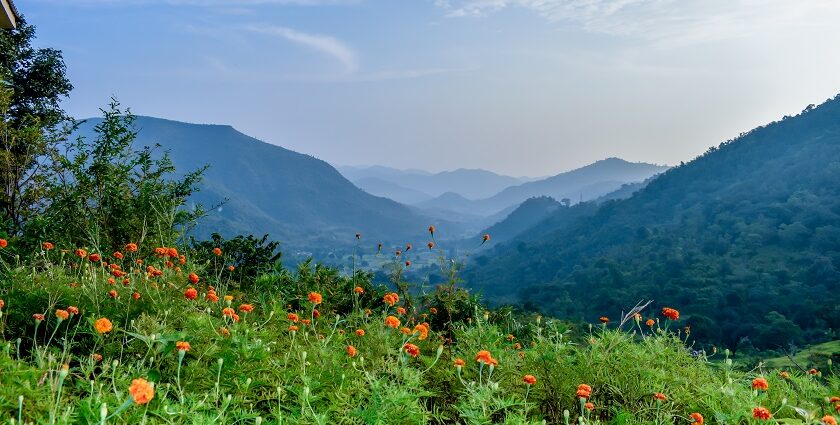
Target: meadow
(166, 335)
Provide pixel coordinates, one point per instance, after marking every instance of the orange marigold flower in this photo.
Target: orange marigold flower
(433, 310)
(95, 258)
(517, 346)
(400, 311)
(293, 328)
(315, 298)
(784, 374)
(103, 325)
(485, 238)
(670, 313)
(62, 314)
(306, 321)
(360, 332)
(829, 420)
(483, 356)
(217, 251)
(432, 230)
(231, 268)
(589, 406)
(96, 357)
(2, 303)
(172, 252)
(111, 281)
(131, 247)
(392, 322)
(813, 372)
(351, 351)
(406, 331)
(696, 418)
(71, 309)
(81, 253)
(292, 317)
(190, 293)
(412, 350)
(529, 379)
(423, 330)
(761, 413)
(182, 260)
(247, 308)
(359, 290)
(391, 298)
(459, 362)
(834, 399)
(182, 346)
(141, 391)
(431, 245)
(584, 391)
(47, 246)
(408, 247)
(211, 296)
(760, 384)
(136, 295)
(408, 263)
(650, 323)
(193, 278)
(660, 397)
(227, 311)
(604, 319)
(118, 255)
(113, 293)
(4, 243)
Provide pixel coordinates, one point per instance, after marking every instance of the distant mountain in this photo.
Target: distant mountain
(389, 189)
(525, 216)
(298, 199)
(744, 241)
(582, 184)
(471, 184)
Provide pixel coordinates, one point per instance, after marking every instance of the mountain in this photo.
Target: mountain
(583, 184)
(526, 215)
(388, 189)
(744, 240)
(297, 199)
(469, 183)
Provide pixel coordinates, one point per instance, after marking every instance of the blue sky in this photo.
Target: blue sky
(523, 87)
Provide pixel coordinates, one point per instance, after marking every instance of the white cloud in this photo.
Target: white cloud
(322, 43)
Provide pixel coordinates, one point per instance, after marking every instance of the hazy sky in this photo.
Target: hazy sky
(524, 87)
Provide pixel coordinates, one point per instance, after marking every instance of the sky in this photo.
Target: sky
(520, 87)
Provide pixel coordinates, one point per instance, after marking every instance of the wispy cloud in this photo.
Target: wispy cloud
(206, 3)
(670, 22)
(325, 44)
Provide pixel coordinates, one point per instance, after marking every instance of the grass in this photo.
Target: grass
(813, 356)
(282, 356)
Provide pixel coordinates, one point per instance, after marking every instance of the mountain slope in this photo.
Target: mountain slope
(388, 189)
(469, 183)
(298, 199)
(745, 239)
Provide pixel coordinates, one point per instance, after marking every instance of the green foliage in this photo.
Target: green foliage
(250, 256)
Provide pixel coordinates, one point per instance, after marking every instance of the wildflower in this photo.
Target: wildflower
(408, 263)
(131, 247)
(834, 399)
(521, 354)
(247, 308)
(359, 290)
(650, 323)
(231, 268)
(172, 252)
(760, 384)
(96, 357)
(483, 356)
(813, 372)
(315, 298)
(391, 298)
(217, 251)
(485, 238)
(306, 321)
(103, 325)
(113, 294)
(431, 245)
(412, 350)
(292, 317)
(589, 406)
(829, 420)
(224, 331)
(784, 374)
(670, 313)
(510, 337)
(4, 243)
(62, 314)
(38, 317)
(659, 397)
(400, 311)
(459, 363)
(360, 332)
(392, 322)
(81, 253)
(584, 391)
(604, 319)
(2, 303)
(432, 230)
(111, 281)
(761, 413)
(182, 346)
(227, 311)
(211, 296)
(95, 258)
(433, 310)
(529, 379)
(423, 330)
(228, 298)
(408, 247)
(47, 246)
(71, 309)
(351, 351)
(135, 296)
(398, 253)
(141, 391)
(517, 346)
(193, 278)
(191, 293)
(406, 331)
(118, 255)
(696, 418)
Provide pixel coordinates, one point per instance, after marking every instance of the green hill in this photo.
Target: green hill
(746, 238)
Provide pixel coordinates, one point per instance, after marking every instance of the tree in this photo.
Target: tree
(32, 120)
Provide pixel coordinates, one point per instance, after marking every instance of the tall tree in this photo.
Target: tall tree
(34, 83)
